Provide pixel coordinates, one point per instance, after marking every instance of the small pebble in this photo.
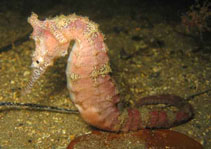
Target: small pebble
(26, 73)
(190, 132)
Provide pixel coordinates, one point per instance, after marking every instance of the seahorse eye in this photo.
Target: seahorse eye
(37, 62)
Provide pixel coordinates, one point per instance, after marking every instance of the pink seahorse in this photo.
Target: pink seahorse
(90, 86)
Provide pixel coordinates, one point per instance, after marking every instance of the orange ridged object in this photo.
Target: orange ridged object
(143, 139)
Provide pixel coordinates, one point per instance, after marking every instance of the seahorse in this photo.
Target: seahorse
(90, 86)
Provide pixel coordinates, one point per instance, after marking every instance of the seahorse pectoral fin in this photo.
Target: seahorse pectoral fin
(37, 72)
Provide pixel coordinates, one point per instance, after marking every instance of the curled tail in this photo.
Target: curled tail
(142, 116)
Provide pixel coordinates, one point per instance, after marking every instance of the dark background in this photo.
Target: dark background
(109, 7)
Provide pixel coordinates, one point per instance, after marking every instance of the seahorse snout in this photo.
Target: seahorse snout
(36, 73)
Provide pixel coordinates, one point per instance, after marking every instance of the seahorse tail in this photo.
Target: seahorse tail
(142, 116)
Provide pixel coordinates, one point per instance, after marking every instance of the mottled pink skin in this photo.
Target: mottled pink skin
(91, 88)
(90, 95)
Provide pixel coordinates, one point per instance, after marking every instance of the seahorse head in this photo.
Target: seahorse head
(47, 48)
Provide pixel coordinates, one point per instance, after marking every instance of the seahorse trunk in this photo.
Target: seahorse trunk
(91, 88)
